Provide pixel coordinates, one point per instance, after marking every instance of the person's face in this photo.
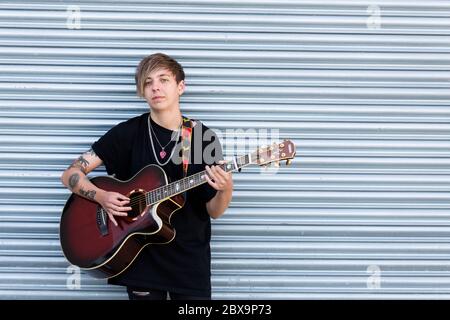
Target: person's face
(162, 91)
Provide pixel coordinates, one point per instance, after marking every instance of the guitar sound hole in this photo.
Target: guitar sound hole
(137, 203)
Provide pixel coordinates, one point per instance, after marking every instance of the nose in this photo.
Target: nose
(155, 86)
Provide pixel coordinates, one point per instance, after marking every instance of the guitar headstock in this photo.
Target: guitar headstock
(275, 153)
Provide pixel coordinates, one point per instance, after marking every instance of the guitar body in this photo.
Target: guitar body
(92, 242)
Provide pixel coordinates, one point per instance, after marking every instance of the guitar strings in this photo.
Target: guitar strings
(138, 199)
(142, 198)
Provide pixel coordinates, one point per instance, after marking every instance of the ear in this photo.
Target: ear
(181, 87)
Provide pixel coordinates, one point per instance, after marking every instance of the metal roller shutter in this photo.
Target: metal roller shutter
(361, 87)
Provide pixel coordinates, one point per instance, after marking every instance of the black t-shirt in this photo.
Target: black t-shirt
(184, 265)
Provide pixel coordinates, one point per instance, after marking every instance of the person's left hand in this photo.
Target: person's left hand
(218, 178)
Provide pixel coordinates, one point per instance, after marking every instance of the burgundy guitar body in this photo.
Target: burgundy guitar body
(92, 242)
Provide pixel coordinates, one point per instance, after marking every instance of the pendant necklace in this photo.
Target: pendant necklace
(162, 153)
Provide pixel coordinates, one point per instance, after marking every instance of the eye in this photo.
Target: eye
(164, 80)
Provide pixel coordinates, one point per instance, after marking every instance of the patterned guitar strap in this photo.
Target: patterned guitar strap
(186, 137)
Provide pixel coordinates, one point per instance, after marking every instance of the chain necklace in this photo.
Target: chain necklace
(162, 153)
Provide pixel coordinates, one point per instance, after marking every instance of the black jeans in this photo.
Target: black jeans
(152, 294)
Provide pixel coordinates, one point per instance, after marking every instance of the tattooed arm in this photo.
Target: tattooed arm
(75, 175)
(74, 178)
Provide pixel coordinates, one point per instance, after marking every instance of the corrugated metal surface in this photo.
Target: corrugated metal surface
(361, 87)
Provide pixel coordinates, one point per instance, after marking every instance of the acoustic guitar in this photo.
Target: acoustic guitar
(100, 248)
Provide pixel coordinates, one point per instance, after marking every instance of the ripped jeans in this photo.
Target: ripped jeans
(152, 294)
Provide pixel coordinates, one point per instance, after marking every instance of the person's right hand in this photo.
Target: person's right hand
(114, 204)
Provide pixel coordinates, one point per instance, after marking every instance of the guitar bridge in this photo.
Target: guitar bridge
(102, 221)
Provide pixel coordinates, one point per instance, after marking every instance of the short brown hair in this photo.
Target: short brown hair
(154, 62)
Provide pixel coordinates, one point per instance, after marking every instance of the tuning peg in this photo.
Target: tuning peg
(288, 162)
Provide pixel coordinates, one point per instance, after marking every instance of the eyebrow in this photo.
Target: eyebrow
(159, 76)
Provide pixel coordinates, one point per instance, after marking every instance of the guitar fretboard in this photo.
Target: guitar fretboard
(194, 180)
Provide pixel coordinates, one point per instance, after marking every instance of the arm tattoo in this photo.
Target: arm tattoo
(90, 194)
(73, 180)
(81, 163)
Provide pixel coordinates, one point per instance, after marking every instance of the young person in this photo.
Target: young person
(180, 269)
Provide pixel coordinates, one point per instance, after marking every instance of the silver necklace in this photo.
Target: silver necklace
(162, 153)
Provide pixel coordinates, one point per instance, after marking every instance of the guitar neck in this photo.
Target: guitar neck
(195, 180)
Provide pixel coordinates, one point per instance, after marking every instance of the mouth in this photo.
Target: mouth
(157, 98)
